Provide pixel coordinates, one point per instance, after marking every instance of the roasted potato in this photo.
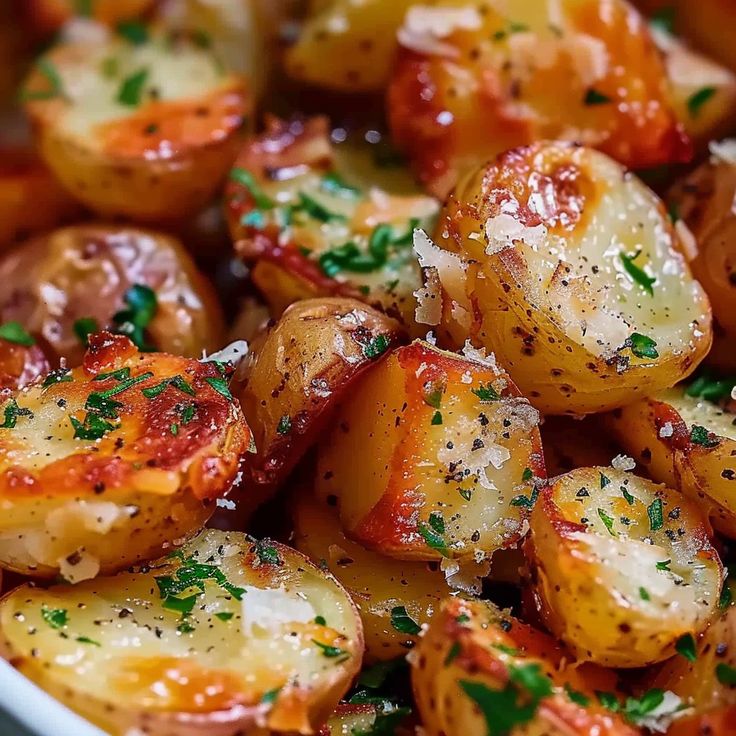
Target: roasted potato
(704, 202)
(144, 127)
(394, 598)
(46, 17)
(622, 567)
(323, 220)
(61, 285)
(226, 636)
(295, 375)
(478, 670)
(348, 46)
(31, 200)
(108, 464)
(688, 442)
(703, 92)
(21, 360)
(433, 455)
(570, 270)
(703, 672)
(473, 80)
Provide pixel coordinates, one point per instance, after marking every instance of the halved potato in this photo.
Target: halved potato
(433, 455)
(478, 670)
(394, 598)
(348, 46)
(570, 270)
(226, 636)
(145, 129)
(294, 377)
(474, 79)
(21, 362)
(704, 202)
(622, 567)
(703, 92)
(108, 464)
(46, 17)
(687, 442)
(31, 200)
(323, 220)
(704, 679)
(59, 285)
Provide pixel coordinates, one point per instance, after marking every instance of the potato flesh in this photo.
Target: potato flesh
(147, 657)
(77, 503)
(546, 233)
(651, 578)
(416, 446)
(299, 239)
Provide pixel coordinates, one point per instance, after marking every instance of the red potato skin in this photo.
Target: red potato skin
(147, 439)
(639, 128)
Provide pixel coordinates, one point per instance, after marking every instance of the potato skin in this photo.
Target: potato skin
(474, 642)
(20, 365)
(85, 271)
(703, 200)
(158, 160)
(294, 377)
(539, 282)
(599, 537)
(433, 455)
(496, 80)
(135, 660)
(31, 200)
(659, 432)
(103, 501)
(363, 204)
(377, 584)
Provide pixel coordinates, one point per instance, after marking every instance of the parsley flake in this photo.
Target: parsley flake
(656, 516)
(15, 332)
(403, 622)
(686, 647)
(639, 275)
(56, 618)
(131, 88)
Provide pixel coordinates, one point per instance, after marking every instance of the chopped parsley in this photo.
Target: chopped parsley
(629, 498)
(332, 652)
(726, 674)
(84, 327)
(333, 183)
(49, 72)
(605, 480)
(15, 332)
(284, 425)
(243, 177)
(526, 501)
(177, 382)
(375, 347)
(11, 413)
(436, 418)
(92, 427)
(577, 697)
(220, 385)
(686, 647)
(664, 19)
(644, 594)
(656, 515)
(403, 622)
(142, 305)
(639, 275)
(133, 31)
(486, 393)
(317, 211)
(594, 97)
(59, 375)
(696, 100)
(270, 696)
(267, 554)
(664, 565)
(131, 88)
(224, 615)
(87, 640)
(432, 533)
(709, 388)
(634, 710)
(56, 618)
(701, 436)
(642, 346)
(607, 521)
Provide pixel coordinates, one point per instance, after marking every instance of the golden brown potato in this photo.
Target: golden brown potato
(46, 17)
(348, 46)
(622, 567)
(226, 636)
(570, 270)
(294, 377)
(108, 464)
(31, 200)
(703, 672)
(704, 202)
(144, 129)
(59, 284)
(478, 670)
(703, 92)
(433, 455)
(394, 598)
(715, 723)
(324, 220)
(473, 80)
(687, 442)
(571, 443)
